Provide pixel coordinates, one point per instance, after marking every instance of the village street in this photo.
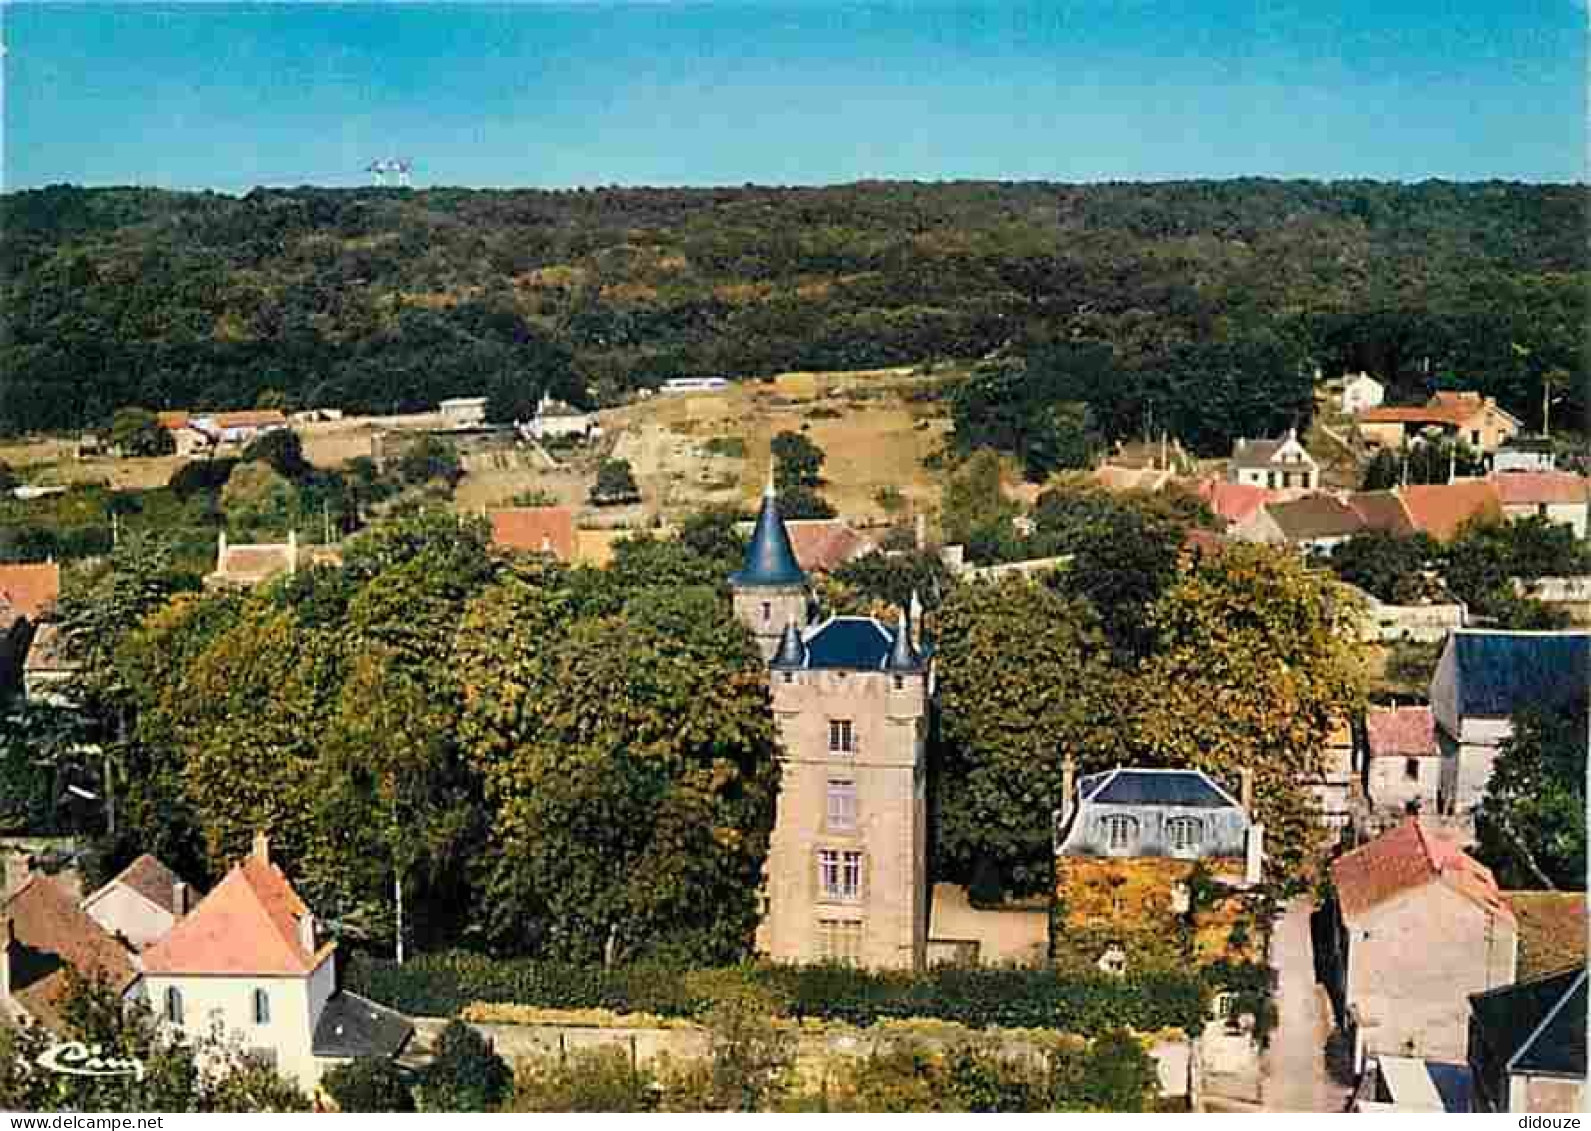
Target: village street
(1294, 1072)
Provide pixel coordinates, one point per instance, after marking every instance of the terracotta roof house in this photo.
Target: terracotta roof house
(1242, 506)
(1383, 511)
(1527, 1044)
(536, 530)
(825, 544)
(1476, 420)
(1403, 766)
(195, 432)
(1556, 496)
(1525, 453)
(30, 590)
(1414, 924)
(249, 958)
(45, 934)
(1482, 677)
(1441, 509)
(141, 903)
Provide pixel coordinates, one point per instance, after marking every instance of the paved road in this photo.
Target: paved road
(1295, 1077)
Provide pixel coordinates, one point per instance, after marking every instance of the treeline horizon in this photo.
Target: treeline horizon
(382, 299)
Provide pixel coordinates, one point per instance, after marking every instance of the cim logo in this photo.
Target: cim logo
(74, 1058)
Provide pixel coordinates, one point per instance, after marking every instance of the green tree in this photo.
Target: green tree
(1254, 664)
(600, 1079)
(369, 1084)
(137, 432)
(1387, 566)
(975, 511)
(798, 462)
(751, 1052)
(467, 1074)
(1531, 824)
(1021, 676)
(282, 450)
(710, 533)
(1383, 472)
(615, 484)
(630, 815)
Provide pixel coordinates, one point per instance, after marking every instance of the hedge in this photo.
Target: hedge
(443, 984)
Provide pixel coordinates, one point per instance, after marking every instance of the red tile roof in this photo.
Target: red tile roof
(31, 589)
(151, 879)
(1401, 731)
(823, 544)
(1531, 488)
(1383, 511)
(53, 934)
(1439, 509)
(536, 530)
(249, 418)
(248, 925)
(173, 420)
(1405, 859)
(1235, 502)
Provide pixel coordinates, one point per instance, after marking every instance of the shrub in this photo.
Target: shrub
(615, 484)
(980, 997)
(594, 1079)
(200, 476)
(731, 447)
(137, 432)
(467, 1074)
(369, 1084)
(282, 449)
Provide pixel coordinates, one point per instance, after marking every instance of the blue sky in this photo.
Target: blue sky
(693, 92)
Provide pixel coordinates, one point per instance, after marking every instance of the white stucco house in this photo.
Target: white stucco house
(141, 904)
(1361, 391)
(250, 960)
(1276, 465)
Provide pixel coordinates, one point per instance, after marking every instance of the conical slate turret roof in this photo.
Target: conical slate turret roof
(792, 652)
(902, 657)
(770, 559)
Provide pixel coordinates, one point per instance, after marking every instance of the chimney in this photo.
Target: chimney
(262, 847)
(1254, 856)
(1068, 786)
(1246, 796)
(179, 899)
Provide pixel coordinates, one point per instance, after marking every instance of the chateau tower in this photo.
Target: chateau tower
(847, 872)
(770, 590)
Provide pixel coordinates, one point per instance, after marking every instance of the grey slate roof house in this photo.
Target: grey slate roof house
(1481, 679)
(1527, 1044)
(1140, 812)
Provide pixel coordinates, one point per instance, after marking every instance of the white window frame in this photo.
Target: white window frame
(840, 805)
(840, 940)
(840, 875)
(1177, 834)
(1120, 831)
(842, 736)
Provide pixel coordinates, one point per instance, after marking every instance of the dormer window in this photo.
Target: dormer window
(1184, 834)
(1121, 832)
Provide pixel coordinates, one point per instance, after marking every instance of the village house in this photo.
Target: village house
(1525, 453)
(28, 593)
(821, 545)
(535, 530)
(195, 434)
(1441, 510)
(43, 935)
(1461, 416)
(250, 960)
(1274, 464)
(1527, 1045)
(1482, 678)
(846, 879)
(1360, 391)
(141, 903)
(557, 419)
(1314, 523)
(1413, 924)
(1556, 496)
(1402, 765)
(462, 412)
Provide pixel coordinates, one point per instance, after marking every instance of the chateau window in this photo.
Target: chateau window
(262, 1007)
(788, 677)
(1184, 834)
(1411, 769)
(767, 611)
(1121, 832)
(173, 1005)
(840, 940)
(841, 738)
(840, 875)
(842, 806)
(900, 681)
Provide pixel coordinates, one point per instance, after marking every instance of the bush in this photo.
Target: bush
(467, 1074)
(137, 432)
(369, 1084)
(731, 447)
(282, 449)
(615, 484)
(979, 997)
(200, 477)
(594, 1079)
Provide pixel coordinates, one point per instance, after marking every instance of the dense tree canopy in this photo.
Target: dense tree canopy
(1531, 823)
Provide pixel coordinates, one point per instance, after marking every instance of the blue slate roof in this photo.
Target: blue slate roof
(770, 559)
(1539, 1025)
(858, 643)
(1183, 788)
(1499, 672)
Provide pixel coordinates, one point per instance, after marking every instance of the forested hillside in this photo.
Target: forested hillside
(383, 299)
